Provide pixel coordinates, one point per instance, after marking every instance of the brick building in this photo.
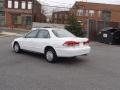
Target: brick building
(95, 11)
(60, 17)
(2, 13)
(18, 13)
(38, 15)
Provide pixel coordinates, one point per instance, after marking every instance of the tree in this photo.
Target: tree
(74, 26)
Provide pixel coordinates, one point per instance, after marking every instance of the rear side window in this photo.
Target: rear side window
(32, 34)
(62, 33)
(43, 34)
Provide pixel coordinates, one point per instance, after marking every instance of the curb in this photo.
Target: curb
(5, 36)
(16, 29)
(8, 36)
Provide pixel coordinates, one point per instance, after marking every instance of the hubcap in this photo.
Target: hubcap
(16, 48)
(49, 56)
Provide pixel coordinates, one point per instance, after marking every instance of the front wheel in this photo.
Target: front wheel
(16, 48)
(50, 55)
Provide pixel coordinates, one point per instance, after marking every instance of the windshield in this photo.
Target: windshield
(62, 33)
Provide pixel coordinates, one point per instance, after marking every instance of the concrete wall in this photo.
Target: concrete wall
(47, 25)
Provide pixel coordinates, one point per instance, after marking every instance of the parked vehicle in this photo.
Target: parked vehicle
(53, 43)
(109, 36)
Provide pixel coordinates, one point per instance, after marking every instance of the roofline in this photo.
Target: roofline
(96, 3)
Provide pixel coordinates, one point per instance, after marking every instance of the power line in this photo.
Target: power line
(59, 2)
(55, 6)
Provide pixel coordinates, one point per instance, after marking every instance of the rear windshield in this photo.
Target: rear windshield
(62, 33)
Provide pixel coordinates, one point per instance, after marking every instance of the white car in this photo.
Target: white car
(52, 42)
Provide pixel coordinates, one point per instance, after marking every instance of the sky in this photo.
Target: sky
(69, 3)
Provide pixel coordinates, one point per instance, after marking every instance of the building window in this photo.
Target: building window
(60, 16)
(66, 16)
(2, 13)
(91, 13)
(99, 13)
(23, 5)
(86, 12)
(16, 4)
(2, 21)
(9, 4)
(80, 12)
(26, 20)
(17, 19)
(29, 5)
(55, 15)
(1, 6)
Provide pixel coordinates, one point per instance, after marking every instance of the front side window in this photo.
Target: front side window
(32, 34)
(43, 34)
(9, 3)
(62, 33)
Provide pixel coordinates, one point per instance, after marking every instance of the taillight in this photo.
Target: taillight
(71, 43)
(87, 42)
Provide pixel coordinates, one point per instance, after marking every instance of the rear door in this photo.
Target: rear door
(42, 40)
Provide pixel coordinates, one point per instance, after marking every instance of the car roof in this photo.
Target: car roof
(47, 28)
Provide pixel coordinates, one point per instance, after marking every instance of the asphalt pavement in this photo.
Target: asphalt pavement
(28, 71)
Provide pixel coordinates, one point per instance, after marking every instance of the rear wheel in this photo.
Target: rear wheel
(16, 48)
(50, 55)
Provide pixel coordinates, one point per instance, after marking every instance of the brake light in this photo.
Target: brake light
(87, 42)
(71, 43)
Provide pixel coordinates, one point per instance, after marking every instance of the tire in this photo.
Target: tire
(16, 48)
(50, 55)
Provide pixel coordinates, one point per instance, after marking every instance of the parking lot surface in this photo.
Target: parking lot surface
(27, 71)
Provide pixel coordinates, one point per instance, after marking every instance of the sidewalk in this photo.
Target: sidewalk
(6, 34)
(13, 30)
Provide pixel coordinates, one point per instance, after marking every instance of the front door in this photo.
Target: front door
(28, 42)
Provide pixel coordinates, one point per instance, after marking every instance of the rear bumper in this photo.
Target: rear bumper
(71, 52)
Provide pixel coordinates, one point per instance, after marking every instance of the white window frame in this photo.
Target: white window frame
(29, 5)
(91, 13)
(9, 3)
(87, 13)
(16, 4)
(23, 5)
(80, 12)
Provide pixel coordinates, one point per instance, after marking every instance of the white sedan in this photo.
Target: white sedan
(52, 42)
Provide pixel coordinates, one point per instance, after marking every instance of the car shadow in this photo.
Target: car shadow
(69, 61)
